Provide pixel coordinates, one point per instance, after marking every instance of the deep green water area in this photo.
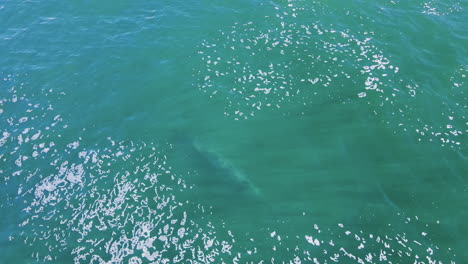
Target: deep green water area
(228, 131)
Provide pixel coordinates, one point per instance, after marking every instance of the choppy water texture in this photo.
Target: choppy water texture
(233, 132)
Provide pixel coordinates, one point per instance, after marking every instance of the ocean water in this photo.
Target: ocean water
(241, 131)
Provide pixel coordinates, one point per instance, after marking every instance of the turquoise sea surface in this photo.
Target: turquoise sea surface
(247, 131)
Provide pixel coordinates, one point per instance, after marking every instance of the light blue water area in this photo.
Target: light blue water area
(233, 131)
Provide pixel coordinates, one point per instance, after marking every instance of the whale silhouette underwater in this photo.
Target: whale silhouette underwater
(217, 178)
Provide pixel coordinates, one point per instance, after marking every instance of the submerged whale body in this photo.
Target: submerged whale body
(230, 174)
(218, 176)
